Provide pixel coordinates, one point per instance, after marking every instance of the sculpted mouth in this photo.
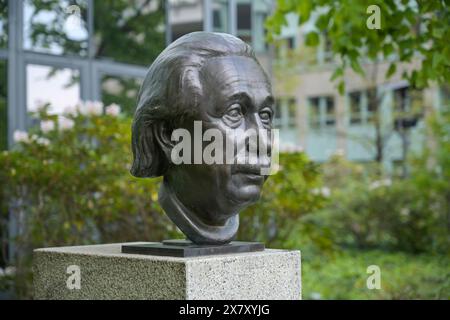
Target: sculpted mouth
(247, 169)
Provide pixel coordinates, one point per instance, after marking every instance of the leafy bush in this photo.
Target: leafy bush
(286, 198)
(403, 276)
(367, 209)
(68, 183)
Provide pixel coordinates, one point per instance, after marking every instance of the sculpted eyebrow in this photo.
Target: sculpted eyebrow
(268, 102)
(240, 96)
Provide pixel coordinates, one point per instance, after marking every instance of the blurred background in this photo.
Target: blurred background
(362, 105)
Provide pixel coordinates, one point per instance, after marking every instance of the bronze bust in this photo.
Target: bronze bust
(213, 79)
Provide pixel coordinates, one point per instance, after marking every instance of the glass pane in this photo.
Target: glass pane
(129, 31)
(3, 105)
(355, 107)
(330, 115)
(401, 97)
(185, 17)
(314, 113)
(277, 116)
(292, 110)
(244, 16)
(220, 15)
(244, 22)
(3, 23)
(56, 26)
(122, 91)
(260, 11)
(58, 86)
(372, 104)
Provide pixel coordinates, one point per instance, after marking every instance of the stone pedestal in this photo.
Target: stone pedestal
(103, 272)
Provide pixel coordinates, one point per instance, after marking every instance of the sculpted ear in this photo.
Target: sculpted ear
(162, 135)
(149, 160)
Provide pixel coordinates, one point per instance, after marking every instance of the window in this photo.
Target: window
(314, 113)
(292, 111)
(407, 107)
(121, 90)
(56, 27)
(291, 43)
(277, 117)
(185, 17)
(244, 16)
(324, 50)
(355, 107)
(57, 86)
(321, 112)
(330, 115)
(3, 23)
(3, 106)
(130, 31)
(244, 22)
(372, 104)
(401, 99)
(285, 113)
(220, 16)
(407, 100)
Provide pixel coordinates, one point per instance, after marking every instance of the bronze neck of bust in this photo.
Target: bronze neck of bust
(189, 223)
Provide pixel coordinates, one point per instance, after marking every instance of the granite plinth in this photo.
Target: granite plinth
(104, 272)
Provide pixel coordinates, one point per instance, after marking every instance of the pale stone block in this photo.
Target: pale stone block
(103, 272)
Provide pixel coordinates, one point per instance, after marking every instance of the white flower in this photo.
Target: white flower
(65, 123)
(43, 141)
(21, 136)
(113, 110)
(39, 105)
(339, 153)
(290, 148)
(380, 183)
(324, 191)
(90, 108)
(10, 271)
(47, 126)
(71, 110)
(316, 296)
(404, 212)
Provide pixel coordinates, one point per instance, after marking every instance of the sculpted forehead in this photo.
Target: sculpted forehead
(234, 73)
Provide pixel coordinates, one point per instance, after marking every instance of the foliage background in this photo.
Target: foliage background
(70, 186)
(344, 216)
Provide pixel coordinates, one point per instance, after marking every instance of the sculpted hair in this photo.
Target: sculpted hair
(171, 91)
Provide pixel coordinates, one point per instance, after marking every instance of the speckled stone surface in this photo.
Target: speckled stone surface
(106, 273)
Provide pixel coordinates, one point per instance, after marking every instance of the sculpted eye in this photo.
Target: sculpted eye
(265, 116)
(234, 113)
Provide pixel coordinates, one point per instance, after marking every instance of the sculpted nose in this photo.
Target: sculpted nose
(263, 146)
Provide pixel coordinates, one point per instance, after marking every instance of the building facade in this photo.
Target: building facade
(97, 50)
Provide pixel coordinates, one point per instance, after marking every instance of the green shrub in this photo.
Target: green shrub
(367, 210)
(67, 182)
(403, 276)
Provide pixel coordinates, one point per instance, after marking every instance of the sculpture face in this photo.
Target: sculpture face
(204, 199)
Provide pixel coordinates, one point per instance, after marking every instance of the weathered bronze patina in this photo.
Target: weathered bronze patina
(213, 78)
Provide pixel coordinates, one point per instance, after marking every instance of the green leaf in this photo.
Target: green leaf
(341, 87)
(391, 70)
(312, 39)
(356, 67)
(338, 72)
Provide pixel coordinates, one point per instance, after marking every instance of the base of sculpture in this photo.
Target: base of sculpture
(186, 248)
(104, 272)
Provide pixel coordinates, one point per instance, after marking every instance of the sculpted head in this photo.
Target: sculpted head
(204, 81)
